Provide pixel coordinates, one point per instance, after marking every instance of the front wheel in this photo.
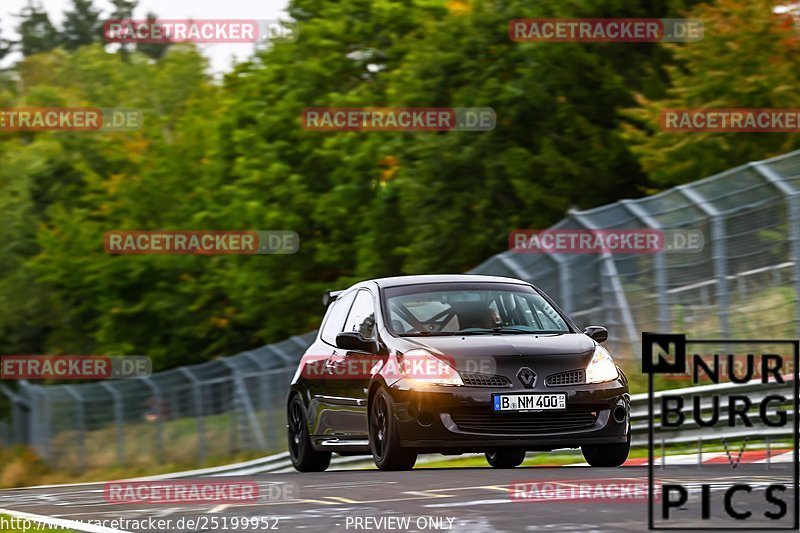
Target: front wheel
(607, 454)
(505, 458)
(384, 438)
(304, 457)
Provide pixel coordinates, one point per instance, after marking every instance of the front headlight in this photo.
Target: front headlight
(423, 368)
(602, 367)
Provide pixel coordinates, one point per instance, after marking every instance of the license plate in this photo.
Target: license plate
(529, 402)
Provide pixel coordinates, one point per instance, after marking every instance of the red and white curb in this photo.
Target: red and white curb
(748, 457)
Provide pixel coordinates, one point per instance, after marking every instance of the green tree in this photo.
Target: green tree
(81, 25)
(36, 32)
(233, 155)
(122, 10)
(748, 59)
(5, 47)
(153, 50)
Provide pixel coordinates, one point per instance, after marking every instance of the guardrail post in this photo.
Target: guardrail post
(80, 417)
(119, 421)
(699, 453)
(197, 393)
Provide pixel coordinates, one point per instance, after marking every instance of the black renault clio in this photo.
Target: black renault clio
(454, 364)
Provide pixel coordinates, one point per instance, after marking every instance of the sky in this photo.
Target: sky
(218, 54)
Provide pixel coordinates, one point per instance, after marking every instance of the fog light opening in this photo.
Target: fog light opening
(620, 414)
(425, 418)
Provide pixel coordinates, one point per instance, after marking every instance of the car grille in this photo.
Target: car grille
(523, 423)
(477, 379)
(573, 377)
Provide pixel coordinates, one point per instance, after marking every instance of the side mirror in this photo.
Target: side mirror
(352, 341)
(598, 333)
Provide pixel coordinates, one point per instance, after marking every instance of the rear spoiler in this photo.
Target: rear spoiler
(330, 296)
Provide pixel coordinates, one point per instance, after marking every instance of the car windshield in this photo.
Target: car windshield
(464, 309)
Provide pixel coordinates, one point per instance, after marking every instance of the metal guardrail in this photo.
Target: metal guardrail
(756, 391)
(691, 432)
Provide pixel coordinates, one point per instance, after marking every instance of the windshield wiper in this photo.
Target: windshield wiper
(509, 329)
(428, 333)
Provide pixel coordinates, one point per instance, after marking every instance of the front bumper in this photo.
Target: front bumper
(461, 419)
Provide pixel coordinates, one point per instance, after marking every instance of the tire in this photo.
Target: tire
(607, 454)
(384, 437)
(304, 457)
(505, 458)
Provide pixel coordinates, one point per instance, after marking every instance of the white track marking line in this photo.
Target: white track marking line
(468, 504)
(218, 508)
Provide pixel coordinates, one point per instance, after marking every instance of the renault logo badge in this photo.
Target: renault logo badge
(527, 377)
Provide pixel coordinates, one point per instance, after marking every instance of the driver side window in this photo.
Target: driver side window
(334, 322)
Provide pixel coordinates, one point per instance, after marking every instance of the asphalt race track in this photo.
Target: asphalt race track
(465, 499)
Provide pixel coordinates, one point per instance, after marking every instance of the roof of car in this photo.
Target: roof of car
(442, 278)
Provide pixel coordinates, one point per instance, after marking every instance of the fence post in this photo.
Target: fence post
(243, 406)
(264, 393)
(20, 424)
(118, 421)
(793, 216)
(719, 253)
(564, 282)
(160, 420)
(80, 416)
(664, 320)
(41, 426)
(198, 410)
(505, 258)
(794, 225)
(617, 290)
(235, 418)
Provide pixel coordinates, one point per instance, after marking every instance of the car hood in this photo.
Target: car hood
(506, 354)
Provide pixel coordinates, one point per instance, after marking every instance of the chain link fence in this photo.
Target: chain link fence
(185, 415)
(744, 283)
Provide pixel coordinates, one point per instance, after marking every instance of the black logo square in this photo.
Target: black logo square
(666, 343)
